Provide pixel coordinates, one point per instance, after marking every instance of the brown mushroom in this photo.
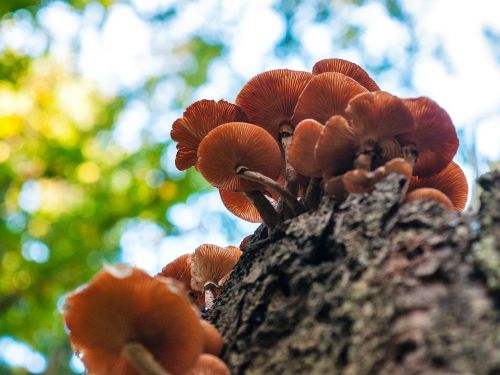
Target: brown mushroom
(180, 269)
(239, 205)
(243, 157)
(347, 68)
(433, 143)
(198, 119)
(301, 152)
(429, 194)
(270, 97)
(326, 95)
(451, 181)
(376, 117)
(209, 365)
(123, 315)
(210, 264)
(212, 339)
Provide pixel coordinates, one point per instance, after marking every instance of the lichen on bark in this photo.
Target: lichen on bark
(370, 286)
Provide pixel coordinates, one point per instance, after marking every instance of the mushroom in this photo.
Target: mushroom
(124, 316)
(376, 117)
(301, 157)
(198, 119)
(239, 205)
(209, 365)
(244, 242)
(429, 194)
(433, 143)
(210, 264)
(212, 339)
(451, 181)
(347, 68)
(269, 100)
(326, 95)
(180, 269)
(244, 157)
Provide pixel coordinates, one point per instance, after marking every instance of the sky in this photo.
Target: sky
(121, 51)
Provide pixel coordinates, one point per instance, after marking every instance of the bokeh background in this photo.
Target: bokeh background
(88, 93)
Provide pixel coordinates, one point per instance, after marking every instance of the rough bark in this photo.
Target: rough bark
(372, 286)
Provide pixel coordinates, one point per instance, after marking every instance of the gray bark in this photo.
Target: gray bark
(371, 286)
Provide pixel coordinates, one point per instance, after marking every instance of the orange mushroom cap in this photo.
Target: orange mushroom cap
(326, 95)
(237, 144)
(451, 181)
(301, 151)
(179, 269)
(198, 119)
(435, 136)
(239, 205)
(211, 263)
(209, 365)
(336, 147)
(212, 339)
(122, 305)
(244, 242)
(379, 115)
(429, 194)
(270, 97)
(347, 68)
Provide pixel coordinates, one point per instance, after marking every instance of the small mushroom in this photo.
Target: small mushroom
(376, 117)
(429, 194)
(244, 242)
(347, 68)
(433, 143)
(326, 95)
(210, 264)
(124, 320)
(180, 269)
(197, 121)
(301, 152)
(212, 339)
(336, 148)
(209, 365)
(239, 205)
(244, 157)
(451, 181)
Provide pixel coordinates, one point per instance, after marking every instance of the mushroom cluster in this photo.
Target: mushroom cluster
(293, 136)
(125, 322)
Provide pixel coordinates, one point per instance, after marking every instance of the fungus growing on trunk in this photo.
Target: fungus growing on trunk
(123, 315)
(244, 157)
(347, 68)
(433, 143)
(198, 119)
(451, 181)
(429, 194)
(301, 152)
(210, 264)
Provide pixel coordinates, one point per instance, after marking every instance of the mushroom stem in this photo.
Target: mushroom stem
(335, 186)
(292, 203)
(266, 210)
(313, 193)
(210, 294)
(291, 176)
(365, 156)
(142, 360)
(410, 154)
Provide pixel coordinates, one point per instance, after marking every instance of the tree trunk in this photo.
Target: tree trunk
(372, 286)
